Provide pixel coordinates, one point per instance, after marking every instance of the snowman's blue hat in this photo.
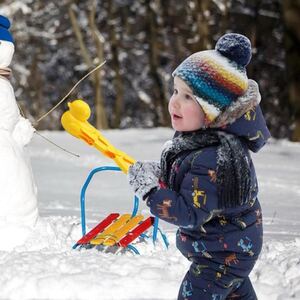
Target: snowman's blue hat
(4, 33)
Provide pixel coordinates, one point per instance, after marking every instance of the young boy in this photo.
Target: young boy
(206, 182)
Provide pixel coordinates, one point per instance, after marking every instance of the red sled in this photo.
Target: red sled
(116, 232)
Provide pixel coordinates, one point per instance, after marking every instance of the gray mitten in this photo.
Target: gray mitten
(143, 176)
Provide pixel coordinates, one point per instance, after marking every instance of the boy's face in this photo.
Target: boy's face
(186, 113)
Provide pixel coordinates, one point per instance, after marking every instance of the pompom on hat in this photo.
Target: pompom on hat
(4, 33)
(218, 77)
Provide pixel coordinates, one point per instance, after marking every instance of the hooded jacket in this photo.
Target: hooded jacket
(224, 240)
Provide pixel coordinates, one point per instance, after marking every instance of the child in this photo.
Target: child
(206, 182)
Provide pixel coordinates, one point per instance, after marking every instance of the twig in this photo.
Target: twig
(21, 110)
(73, 88)
(274, 215)
(61, 148)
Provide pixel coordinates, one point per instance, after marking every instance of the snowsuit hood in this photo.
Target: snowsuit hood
(251, 128)
(245, 119)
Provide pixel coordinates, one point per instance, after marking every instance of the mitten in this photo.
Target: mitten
(23, 132)
(143, 176)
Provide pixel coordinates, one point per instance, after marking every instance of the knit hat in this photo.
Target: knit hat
(4, 33)
(218, 77)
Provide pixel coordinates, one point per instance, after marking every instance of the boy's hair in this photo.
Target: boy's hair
(218, 77)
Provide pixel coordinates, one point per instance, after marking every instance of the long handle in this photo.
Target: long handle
(75, 121)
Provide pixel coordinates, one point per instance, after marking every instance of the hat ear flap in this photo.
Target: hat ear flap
(239, 107)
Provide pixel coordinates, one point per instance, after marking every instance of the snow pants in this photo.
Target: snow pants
(211, 285)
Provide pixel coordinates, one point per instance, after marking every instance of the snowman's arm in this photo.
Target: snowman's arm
(23, 132)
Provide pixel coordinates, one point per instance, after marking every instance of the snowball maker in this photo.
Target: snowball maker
(75, 121)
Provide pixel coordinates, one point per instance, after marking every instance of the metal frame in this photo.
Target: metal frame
(156, 228)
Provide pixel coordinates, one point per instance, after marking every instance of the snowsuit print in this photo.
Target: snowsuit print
(222, 244)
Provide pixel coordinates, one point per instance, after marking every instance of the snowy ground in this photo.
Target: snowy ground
(47, 268)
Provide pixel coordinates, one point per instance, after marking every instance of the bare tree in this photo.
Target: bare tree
(101, 117)
(292, 41)
(160, 101)
(115, 48)
(203, 10)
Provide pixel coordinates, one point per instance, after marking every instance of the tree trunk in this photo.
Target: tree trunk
(160, 101)
(291, 12)
(202, 10)
(225, 16)
(78, 34)
(37, 85)
(118, 83)
(253, 36)
(101, 118)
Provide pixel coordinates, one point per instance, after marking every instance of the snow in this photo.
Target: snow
(46, 267)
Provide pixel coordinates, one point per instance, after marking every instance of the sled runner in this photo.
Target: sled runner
(116, 232)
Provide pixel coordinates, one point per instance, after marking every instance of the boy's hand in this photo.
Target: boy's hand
(143, 176)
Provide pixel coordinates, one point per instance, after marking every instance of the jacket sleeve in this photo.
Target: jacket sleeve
(195, 203)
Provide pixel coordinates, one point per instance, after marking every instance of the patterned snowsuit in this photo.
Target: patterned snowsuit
(223, 245)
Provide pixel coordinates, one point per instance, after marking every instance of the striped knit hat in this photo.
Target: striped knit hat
(218, 77)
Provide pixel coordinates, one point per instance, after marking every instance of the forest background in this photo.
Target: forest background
(142, 41)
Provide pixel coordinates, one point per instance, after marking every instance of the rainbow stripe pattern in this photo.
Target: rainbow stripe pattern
(215, 80)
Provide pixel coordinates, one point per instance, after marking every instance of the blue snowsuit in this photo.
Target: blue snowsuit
(222, 244)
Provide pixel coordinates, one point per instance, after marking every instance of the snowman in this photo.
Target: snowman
(18, 193)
